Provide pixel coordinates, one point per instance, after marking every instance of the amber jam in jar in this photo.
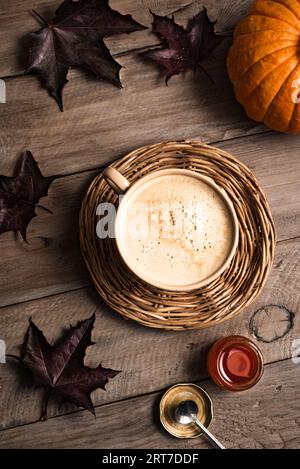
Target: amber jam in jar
(235, 363)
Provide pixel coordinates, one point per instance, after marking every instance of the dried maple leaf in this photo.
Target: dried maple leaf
(60, 368)
(19, 195)
(74, 38)
(181, 48)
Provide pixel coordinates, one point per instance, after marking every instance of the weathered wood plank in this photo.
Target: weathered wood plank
(52, 262)
(264, 417)
(99, 125)
(16, 21)
(150, 360)
(268, 156)
(52, 256)
(101, 122)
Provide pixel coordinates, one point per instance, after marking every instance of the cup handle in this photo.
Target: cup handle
(116, 181)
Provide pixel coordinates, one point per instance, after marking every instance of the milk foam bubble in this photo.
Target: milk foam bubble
(179, 230)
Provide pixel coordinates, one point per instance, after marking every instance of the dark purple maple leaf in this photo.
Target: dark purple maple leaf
(181, 48)
(19, 195)
(74, 38)
(61, 369)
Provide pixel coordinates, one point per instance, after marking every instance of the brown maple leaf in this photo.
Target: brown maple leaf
(74, 38)
(61, 369)
(19, 195)
(181, 48)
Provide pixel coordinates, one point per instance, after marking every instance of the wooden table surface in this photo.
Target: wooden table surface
(47, 280)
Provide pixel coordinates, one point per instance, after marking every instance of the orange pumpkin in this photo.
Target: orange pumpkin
(264, 64)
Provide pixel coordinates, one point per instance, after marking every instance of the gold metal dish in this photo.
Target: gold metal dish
(173, 397)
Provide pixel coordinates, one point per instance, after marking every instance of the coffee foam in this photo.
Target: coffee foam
(179, 230)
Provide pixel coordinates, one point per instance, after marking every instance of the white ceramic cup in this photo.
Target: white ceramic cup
(123, 187)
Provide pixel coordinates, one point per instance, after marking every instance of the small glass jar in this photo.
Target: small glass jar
(235, 363)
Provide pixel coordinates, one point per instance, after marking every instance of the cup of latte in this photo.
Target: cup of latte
(175, 229)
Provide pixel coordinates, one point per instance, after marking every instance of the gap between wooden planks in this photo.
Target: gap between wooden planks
(101, 122)
(17, 22)
(52, 262)
(268, 416)
(150, 359)
(36, 124)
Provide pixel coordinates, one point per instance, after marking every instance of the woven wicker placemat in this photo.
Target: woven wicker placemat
(222, 299)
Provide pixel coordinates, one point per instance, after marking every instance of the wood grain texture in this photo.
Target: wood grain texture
(16, 22)
(273, 158)
(53, 254)
(52, 257)
(101, 122)
(264, 417)
(150, 360)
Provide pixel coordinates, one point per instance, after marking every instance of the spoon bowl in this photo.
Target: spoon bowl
(186, 413)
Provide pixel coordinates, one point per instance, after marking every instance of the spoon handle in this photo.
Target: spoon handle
(209, 436)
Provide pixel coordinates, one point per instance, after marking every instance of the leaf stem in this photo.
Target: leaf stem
(40, 17)
(206, 73)
(44, 415)
(15, 75)
(44, 208)
(13, 357)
